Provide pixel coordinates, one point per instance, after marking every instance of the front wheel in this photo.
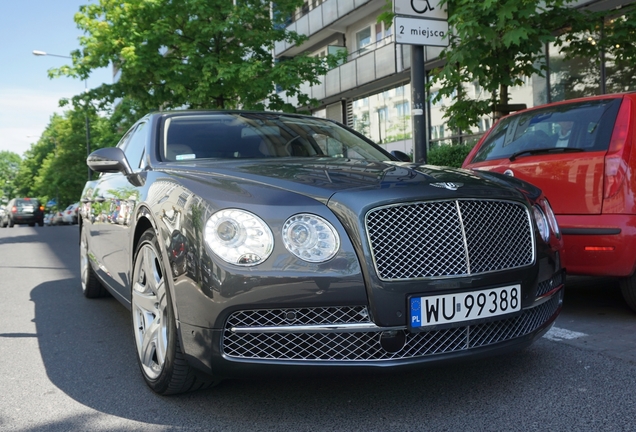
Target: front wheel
(628, 289)
(162, 363)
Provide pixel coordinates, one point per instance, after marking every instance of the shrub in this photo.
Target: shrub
(449, 155)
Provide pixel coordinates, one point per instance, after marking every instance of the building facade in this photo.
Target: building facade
(371, 91)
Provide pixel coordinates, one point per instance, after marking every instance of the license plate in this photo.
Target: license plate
(27, 209)
(466, 306)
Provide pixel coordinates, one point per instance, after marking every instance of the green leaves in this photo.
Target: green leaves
(192, 53)
(495, 44)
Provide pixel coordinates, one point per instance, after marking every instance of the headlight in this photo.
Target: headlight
(551, 218)
(239, 237)
(310, 238)
(542, 223)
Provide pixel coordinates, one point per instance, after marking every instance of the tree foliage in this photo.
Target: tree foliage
(611, 33)
(9, 166)
(495, 43)
(193, 53)
(55, 166)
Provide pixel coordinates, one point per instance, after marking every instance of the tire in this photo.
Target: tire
(41, 223)
(32, 224)
(161, 361)
(11, 224)
(628, 289)
(91, 287)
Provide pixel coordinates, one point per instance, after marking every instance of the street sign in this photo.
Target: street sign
(420, 9)
(418, 31)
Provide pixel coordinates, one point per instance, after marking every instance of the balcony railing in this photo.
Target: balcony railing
(364, 68)
(318, 17)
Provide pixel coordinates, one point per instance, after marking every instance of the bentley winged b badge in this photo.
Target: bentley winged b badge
(448, 185)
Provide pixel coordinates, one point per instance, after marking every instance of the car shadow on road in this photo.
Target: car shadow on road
(585, 295)
(18, 239)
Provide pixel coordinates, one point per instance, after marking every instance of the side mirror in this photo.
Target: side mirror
(401, 156)
(109, 160)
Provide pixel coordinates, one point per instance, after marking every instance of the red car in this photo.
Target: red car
(580, 153)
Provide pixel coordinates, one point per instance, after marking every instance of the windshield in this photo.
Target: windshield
(583, 126)
(256, 135)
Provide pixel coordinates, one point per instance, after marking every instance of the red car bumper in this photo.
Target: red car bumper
(599, 245)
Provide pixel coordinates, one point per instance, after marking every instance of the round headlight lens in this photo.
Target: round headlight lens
(239, 237)
(310, 237)
(551, 218)
(542, 223)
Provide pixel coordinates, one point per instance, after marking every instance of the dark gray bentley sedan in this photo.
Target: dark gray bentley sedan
(245, 242)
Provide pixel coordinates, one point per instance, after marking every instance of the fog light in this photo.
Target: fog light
(392, 341)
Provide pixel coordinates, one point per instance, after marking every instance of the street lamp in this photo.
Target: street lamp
(88, 129)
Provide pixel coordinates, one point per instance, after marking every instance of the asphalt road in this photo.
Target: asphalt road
(67, 363)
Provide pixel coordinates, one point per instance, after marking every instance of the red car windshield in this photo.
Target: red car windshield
(581, 126)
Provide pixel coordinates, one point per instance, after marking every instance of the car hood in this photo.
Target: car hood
(324, 178)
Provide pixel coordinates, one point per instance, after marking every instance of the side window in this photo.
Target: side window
(135, 146)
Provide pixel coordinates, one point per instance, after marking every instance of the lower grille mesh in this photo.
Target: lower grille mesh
(548, 285)
(365, 346)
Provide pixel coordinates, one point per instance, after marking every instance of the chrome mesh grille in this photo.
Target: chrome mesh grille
(302, 316)
(547, 285)
(365, 346)
(449, 238)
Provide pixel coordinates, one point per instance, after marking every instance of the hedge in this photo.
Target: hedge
(449, 155)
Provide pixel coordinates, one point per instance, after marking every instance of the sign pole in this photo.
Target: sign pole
(420, 23)
(418, 103)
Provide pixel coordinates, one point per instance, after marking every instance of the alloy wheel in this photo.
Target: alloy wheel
(150, 311)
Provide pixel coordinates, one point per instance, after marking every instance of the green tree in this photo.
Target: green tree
(495, 43)
(193, 53)
(35, 156)
(611, 33)
(55, 166)
(9, 167)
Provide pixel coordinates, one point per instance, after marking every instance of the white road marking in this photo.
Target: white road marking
(558, 334)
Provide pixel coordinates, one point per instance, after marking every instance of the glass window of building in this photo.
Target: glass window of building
(385, 118)
(363, 38)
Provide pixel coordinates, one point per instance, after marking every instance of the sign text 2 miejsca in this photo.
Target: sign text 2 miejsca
(465, 306)
(418, 31)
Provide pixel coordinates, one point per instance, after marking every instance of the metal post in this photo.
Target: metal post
(601, 41)
(418, 102)
(548, 84)
(88, 131)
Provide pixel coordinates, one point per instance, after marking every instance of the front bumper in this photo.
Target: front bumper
(345, 337)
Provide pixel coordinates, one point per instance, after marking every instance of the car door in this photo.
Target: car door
(114, 200)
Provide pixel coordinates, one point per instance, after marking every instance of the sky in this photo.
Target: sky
(28, 98)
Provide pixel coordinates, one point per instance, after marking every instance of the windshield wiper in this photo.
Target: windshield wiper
(544, 150)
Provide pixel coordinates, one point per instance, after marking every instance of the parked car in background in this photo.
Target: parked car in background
(23, 211)
(57, 218)
(69, 215)
(47, 218)
(581, 154)
(316, 247)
